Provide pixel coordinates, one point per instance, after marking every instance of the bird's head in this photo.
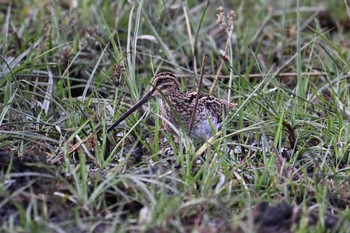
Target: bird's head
(164, 83)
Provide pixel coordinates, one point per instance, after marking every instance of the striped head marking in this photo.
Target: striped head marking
(165, 83)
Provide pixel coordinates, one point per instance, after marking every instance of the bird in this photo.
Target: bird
(176, 107)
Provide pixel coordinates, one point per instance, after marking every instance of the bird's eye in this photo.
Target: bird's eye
(160, 81)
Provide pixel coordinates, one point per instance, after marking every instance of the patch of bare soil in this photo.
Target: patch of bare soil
(281, 218)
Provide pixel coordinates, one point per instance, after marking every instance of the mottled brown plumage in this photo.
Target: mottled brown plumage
(177, 107)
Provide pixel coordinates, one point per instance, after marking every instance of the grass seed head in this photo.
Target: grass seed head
(226, 19)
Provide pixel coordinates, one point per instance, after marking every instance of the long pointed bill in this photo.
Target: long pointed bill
(143, 100)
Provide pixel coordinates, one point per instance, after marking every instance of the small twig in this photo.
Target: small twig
(281, 75)
(198, 91)
(280, 161)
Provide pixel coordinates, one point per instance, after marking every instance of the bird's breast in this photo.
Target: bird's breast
(205, 128)
(179, 114)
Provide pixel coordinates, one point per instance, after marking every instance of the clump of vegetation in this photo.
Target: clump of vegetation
(279, 164)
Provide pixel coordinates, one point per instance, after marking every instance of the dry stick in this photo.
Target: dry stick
(279, 159)
(221, 64)
(281, 75)
(198, 90)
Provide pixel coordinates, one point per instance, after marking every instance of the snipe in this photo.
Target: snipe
(177, 107)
